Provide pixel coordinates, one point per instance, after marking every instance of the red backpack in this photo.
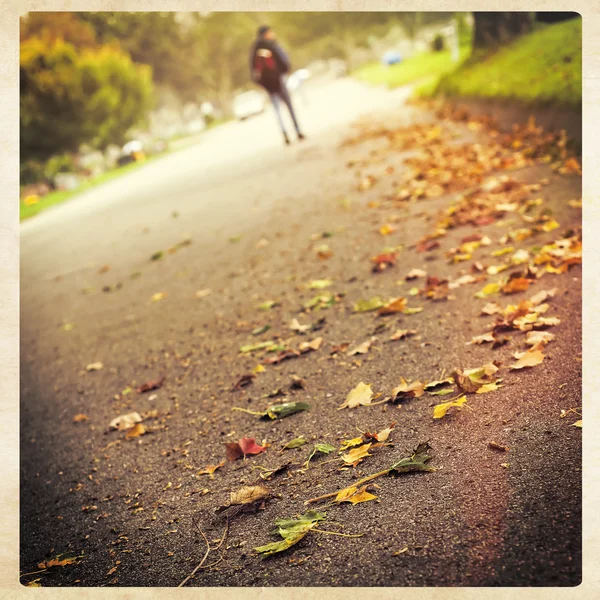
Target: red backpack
(265, 68)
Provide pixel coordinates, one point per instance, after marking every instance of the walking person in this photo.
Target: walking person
(268, 66)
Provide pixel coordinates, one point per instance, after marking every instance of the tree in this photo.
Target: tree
(495, 28)
(69, 98)
(52, 26)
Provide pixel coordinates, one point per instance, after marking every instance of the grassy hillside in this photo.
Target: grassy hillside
(430, 65)
(542, 68)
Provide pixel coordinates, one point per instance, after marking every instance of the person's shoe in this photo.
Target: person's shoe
(286, 139)
(301, 136)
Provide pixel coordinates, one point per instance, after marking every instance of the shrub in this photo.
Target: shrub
(69, 98)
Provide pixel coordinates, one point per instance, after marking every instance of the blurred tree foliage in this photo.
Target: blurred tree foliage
(81, 74)
(68, 97)
(495, 28)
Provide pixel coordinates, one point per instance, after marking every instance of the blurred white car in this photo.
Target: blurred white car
(248, 104)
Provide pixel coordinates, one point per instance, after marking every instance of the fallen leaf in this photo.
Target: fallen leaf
(496, 446)
(354, 495)
(259, 346)
(242, 448)
(531, 358)
(415, 462)
(136, 431)
(97, 366)
(308, 346)
(243, 381)
(125, 421)
(491, 308)
(319, 284)
(295, 326)
(361, 395)
(297, 383)
(210, 470)
(280, 411)
(249, 494)
(415, 274)
(517, 284)
(362, 348)
(283, 355)
(402, 333)
(534, 338)
(268, 305)
(412, 311)
(323, 251)
(386, 229)
(292, 531)
(320, 448)
(369, 305)
(203, 293)
(383, 261)
(405, 390)
(80, 417)
(295, 443)
(382, 435)
(397, 305)
(151, 385)
(482, 339)
(262, 329)
(158, 296)
(268, 474)
(489, 289)
(356, 455)
(578, 424)
(357, 441)
(440, 410)
(58, 561)
(489, 387)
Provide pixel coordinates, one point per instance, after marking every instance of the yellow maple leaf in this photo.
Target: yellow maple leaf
(357, 454)
(362, 394)
(440, 410)
(531, 358)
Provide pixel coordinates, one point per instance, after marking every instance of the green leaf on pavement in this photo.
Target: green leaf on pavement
(319, 284)
(268, 305)
(295, 443)
(415, 462)
(292, 531)
(368, 305)
(260, 330)
(319, 447)
(279, 411)
(255, 347)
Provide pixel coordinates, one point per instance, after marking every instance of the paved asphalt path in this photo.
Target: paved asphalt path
(129, 506)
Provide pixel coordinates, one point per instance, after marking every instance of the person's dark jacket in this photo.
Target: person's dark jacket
(281, 60)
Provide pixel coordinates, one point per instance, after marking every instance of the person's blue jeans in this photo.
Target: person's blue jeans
(277, 98)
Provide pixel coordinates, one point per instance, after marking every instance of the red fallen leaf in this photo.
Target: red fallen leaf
(243, 381)
(383, 261)
(281, 356)
(475, 237)
(242, 448)
(484, 220)
(151, 385)
(436, 289)
(427, 245)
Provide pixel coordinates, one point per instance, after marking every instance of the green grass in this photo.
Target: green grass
(429, 65)
(54, 198)
(542, 68)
